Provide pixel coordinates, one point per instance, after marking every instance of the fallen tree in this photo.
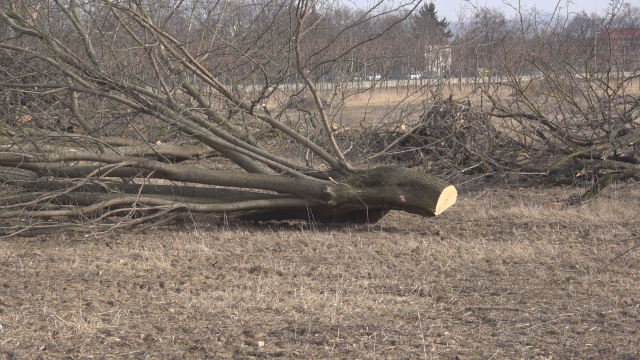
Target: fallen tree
(89, 90)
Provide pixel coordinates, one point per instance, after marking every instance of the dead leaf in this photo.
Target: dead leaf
(25, 118)
(555, 205)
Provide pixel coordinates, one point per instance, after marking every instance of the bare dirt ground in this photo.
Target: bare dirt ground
(500, 275)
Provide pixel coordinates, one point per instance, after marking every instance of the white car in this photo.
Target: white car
(376, 77)
(414, 76)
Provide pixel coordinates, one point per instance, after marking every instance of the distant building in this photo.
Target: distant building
(438, 60)
(624, 37)
(619, 47)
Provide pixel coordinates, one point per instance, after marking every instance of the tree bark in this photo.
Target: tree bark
(364, 195)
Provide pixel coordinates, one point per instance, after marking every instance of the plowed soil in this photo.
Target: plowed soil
(502, 275)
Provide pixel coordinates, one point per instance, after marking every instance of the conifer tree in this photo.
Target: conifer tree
(427, 25)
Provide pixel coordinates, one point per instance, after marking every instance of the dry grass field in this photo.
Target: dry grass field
(500, 275)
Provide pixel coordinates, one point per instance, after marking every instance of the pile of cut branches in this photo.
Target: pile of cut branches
(449, 137)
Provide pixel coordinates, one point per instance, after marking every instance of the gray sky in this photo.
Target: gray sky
(451, 9)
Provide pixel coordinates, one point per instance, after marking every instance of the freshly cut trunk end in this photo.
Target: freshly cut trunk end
(447, 198)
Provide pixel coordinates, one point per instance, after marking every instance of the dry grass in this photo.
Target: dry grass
(392, 96)
(499, 275)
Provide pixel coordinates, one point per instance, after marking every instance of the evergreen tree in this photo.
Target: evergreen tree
(428, 26)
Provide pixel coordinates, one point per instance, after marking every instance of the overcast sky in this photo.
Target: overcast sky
(451, 9)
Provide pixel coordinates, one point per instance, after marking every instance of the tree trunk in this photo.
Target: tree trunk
(362, 196)
(367, 195)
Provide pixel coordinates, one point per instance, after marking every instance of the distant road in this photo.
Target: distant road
(391, 83)
(423, 82)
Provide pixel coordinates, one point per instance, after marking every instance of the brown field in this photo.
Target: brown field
(500, 275)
